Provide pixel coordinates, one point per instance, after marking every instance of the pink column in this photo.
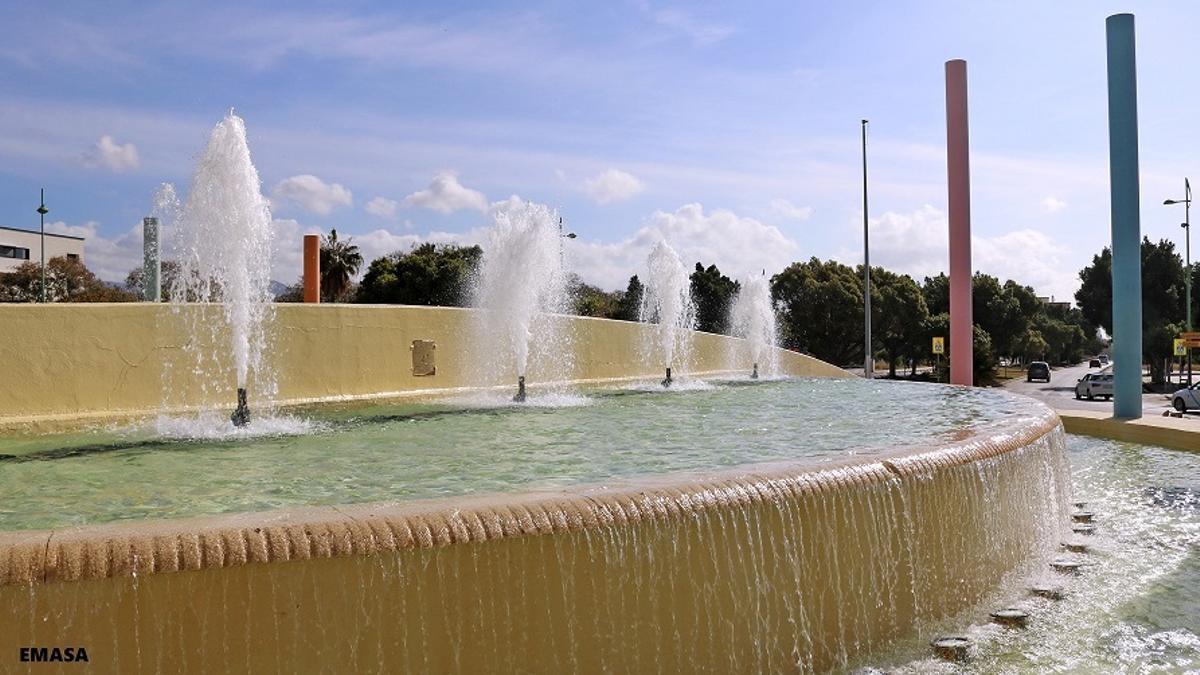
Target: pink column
(958, 171)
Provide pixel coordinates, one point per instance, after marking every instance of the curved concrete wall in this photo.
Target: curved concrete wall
(764, 569)
(92, 361)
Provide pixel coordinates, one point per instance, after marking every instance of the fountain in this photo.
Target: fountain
(520, 277)
(752, 316)
(667, 301)
(222, 244)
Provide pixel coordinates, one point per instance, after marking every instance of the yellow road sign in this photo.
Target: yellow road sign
(939, 345)
(1180, 347)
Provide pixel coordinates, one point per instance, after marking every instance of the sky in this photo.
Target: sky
(729, 129)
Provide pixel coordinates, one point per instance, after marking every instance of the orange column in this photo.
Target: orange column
(312, 268)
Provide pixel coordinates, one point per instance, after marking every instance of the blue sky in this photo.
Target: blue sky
(730, 130)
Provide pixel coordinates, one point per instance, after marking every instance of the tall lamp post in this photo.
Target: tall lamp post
(562, 235)
(868, 357)
(1187, 248)
(42, 211)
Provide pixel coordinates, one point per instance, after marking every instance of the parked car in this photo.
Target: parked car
(1104, 360)
(1038, 370)
(1095, 363)
(1187, 399)
(1094, 384)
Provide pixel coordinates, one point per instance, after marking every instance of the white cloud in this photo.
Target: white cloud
(446, 195)
(785, 209)
(109, 259)
(612, 185)
(111, 155)
(736, 244)
(382, 207)
(1053, 205)
(312, 193)
(917, 244)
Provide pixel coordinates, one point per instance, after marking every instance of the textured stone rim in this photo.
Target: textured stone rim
(150, 547)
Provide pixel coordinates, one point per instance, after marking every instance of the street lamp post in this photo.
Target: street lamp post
(42, 211)
(561, 236)
(868, 360)
(1187, 248)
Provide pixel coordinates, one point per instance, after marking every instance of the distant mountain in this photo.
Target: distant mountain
(277, 288)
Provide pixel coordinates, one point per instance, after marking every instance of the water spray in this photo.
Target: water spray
(241, 416)
(667, 381)
(519, 397)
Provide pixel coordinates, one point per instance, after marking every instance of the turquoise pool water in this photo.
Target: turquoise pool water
(362, 453)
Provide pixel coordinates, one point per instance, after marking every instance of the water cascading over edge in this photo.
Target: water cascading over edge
(520, 277)
(752, 316)
(667, 301)
(222, 245)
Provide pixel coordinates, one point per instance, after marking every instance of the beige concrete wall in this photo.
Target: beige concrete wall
(763, 569)
(69, 363)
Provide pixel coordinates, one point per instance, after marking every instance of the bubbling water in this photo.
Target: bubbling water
(667, 301)
(222, 238)
(752, 316)
(520, 278)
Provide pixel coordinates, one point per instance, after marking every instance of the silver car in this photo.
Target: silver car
(1093, 385)
(1187, 399)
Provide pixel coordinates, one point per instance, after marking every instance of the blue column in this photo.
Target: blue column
(1126, 226)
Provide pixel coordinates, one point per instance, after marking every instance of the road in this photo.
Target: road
(1059, 393)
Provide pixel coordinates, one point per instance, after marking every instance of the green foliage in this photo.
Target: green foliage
(340, 261)
(630, 302)
(67, 280)
(1163, 291)
(898, 314)
(588, 300)
(821, 310)
(427, 274)
(713, 293)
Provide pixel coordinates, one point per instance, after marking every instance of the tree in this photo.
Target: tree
(340, 261)
(1163, 291)
(937, 294)
(135, 284)
(983, 358)
(712, 292)
(898, 314)
(821, 310)
(427, 274)
(588, 300)
(67, 280)
(630, 302)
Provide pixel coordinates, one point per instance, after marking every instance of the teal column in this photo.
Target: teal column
(1126, 226)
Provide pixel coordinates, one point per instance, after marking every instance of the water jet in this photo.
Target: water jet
(667, 380)
(519, 397)
(754, 375)
(667, 301)
(752, 317)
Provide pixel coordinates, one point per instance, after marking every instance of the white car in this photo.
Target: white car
(1187, 399)
(1095, 384)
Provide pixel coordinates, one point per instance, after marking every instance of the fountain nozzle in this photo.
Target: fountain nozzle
(667, 380)
(754, 375)
(519, 397)
(241, 416)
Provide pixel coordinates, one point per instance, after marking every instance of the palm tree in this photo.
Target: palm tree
(340, 261)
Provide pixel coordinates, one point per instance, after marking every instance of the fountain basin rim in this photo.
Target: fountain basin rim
(127, 549)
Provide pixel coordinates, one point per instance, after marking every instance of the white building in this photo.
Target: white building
(18, 246)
